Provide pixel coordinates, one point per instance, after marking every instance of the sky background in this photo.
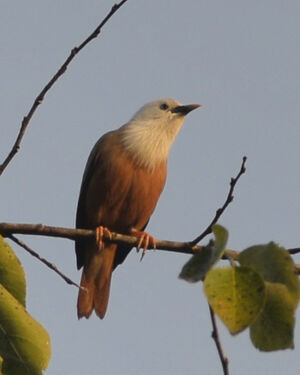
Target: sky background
(240, 60)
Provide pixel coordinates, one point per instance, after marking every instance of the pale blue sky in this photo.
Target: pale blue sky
(240, 60)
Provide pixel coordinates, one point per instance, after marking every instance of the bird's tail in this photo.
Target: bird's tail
(95, 280)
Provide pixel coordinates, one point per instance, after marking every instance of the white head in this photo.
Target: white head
(150, 133)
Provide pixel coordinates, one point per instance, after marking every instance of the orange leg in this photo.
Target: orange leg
(100, 233)
(146, 241)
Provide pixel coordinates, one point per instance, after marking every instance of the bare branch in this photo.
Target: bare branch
(228, 200)
(216, 337)
(48, 86)
(7, 229)
(43, 260)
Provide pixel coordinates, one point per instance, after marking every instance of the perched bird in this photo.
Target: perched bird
(123, 179)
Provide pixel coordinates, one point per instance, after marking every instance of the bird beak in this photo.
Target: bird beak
(185, 109)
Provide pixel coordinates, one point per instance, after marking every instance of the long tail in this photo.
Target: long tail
(95, 279)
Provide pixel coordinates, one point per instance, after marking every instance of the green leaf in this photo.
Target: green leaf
(275, 265)
(236, 295)
(12, 275)
(24, 343)
(198, 265)
(274, 328)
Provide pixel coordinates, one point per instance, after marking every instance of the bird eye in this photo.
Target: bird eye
(164, 106)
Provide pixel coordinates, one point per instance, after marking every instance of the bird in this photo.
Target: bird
(122, 182)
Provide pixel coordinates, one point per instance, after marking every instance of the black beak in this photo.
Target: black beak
(185, 109)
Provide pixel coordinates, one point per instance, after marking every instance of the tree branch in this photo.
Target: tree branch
(216, 337)
(7, 229)
(48, 86)
(228, 200)
(50, 265)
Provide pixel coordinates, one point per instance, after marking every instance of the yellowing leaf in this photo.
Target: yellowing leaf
(24, 343)
(274, 327)
(197, 266)
(12, 275)
(236, 295)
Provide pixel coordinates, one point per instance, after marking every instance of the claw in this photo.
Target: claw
(146, 241)
(100, 233)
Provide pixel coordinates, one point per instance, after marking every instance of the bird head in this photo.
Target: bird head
(152, 130)
(163, 111)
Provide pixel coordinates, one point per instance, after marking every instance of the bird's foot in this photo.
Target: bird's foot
(146, 241)
(100, 233)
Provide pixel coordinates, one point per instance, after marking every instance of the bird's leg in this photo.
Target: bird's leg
(146, 241)
(100, 233)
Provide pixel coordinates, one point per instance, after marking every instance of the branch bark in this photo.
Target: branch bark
(7, 229)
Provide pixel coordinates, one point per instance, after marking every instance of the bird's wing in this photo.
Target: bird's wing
(121, 254)
(123, 251)
(81, 218)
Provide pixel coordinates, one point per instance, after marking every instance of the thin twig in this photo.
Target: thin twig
(43, 260)
(228, 200)
(216, 338)
(48, 86)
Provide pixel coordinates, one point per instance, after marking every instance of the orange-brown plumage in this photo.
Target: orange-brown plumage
(121, 186)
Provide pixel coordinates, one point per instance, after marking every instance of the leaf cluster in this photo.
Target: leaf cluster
(259, 290)
(24, 343)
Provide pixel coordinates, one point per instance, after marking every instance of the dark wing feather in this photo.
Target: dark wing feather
(121, 254)
(81, 221)
(123, 251)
